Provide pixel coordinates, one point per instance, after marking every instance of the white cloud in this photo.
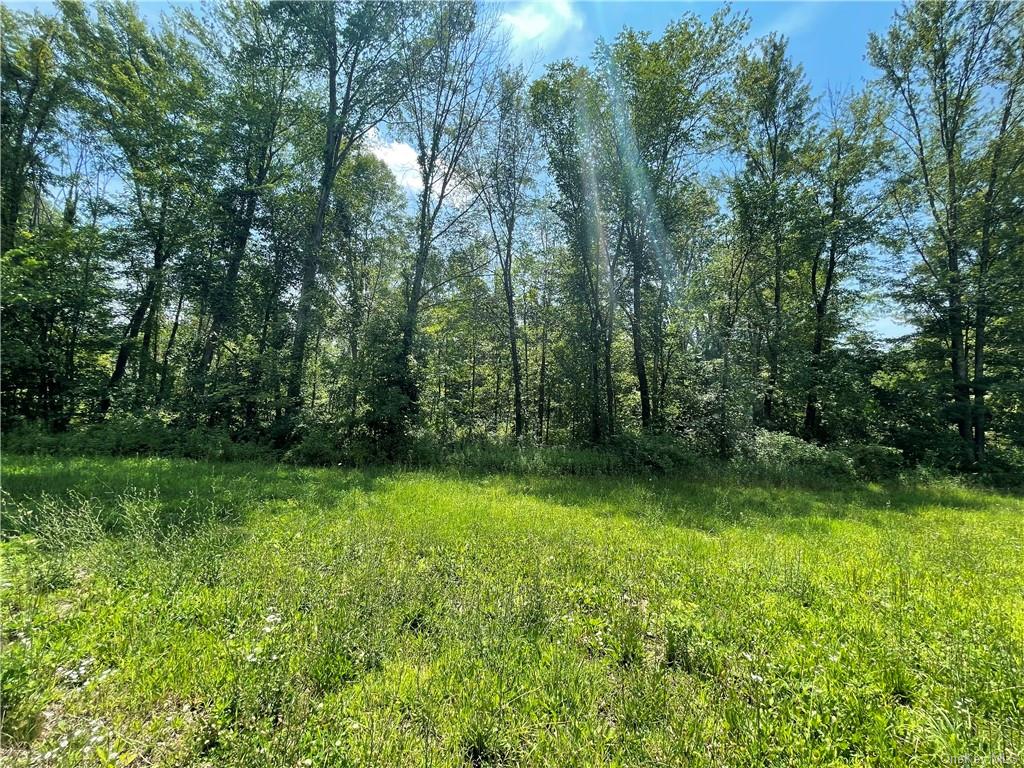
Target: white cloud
(541, 22)
(790, 22)
(398, 156)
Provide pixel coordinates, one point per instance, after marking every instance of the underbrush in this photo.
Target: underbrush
(130, 435)
(763, 456)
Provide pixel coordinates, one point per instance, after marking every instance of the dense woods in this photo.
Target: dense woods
(676, 239)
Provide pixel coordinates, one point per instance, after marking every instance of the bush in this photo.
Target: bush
(779, 456)
(657, 454)
(874, 462)
(131, 435)
(317, 447)
(1004, 466)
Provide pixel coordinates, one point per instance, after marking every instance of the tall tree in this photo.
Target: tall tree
(356, 50)
(254, 79)
(567, 105)
(843, 214)
(37, 85)
(448, 97)
(507, 167)
(767, 125)
(662, 96)
(943, 63)
(146, 91)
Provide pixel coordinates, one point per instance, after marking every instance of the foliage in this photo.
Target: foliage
(782, 456)
(646, 255)
(875, 462)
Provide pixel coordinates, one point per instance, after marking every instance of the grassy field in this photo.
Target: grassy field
(165, 612)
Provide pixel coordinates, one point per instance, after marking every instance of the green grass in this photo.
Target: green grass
(167, 612)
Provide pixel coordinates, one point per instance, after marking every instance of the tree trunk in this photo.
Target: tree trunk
(775, 335)
(132, 332)
(812, 415)
(15, 190)
(542, 383)
(311, 263)
(406, 380)
(980, 413)
(513, 340)
(150, 334)
(165, 364)
(636, 326)
(307, 292)
(609, 384)
(472, 391)
(224, 306)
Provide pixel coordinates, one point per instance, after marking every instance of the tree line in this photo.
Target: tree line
(675, 237)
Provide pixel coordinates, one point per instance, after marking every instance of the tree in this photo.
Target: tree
(506, 171)
(146, 91)
(766, 124)
(37, 87)
(566, 105)
(56, 323)
(944, 64)
(843, 211)
(356, 50)
(662, 97)
(448, 97)
(367, 231)
(254, 78)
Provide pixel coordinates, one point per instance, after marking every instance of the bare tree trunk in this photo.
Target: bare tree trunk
(132, 332)
(609, 383)
(165, 363)
(513, 340)
(542, 383)
(472, 391)
(638, 350)
(775, 335)
(150, 334)
(311, 261)
(224, 303)
(812, 415)
(307, 292)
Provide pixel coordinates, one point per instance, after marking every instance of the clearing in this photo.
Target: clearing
(169, 612)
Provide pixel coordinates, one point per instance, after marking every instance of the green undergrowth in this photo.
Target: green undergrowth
(180, 613)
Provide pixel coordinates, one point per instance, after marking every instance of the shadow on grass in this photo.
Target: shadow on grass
(232, 491)
(185, 492)
(712, 505)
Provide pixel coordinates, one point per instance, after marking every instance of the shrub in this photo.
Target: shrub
(874, 462)
(660, 453)
(779, 456)
(317, 447)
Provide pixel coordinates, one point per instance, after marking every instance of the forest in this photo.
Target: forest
(674, 244)
(374, 394)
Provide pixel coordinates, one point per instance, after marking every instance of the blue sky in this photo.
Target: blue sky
(828, 38)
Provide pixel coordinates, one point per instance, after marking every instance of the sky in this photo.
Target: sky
(828, 38)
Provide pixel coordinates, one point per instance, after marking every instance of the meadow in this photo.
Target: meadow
(178, 613)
